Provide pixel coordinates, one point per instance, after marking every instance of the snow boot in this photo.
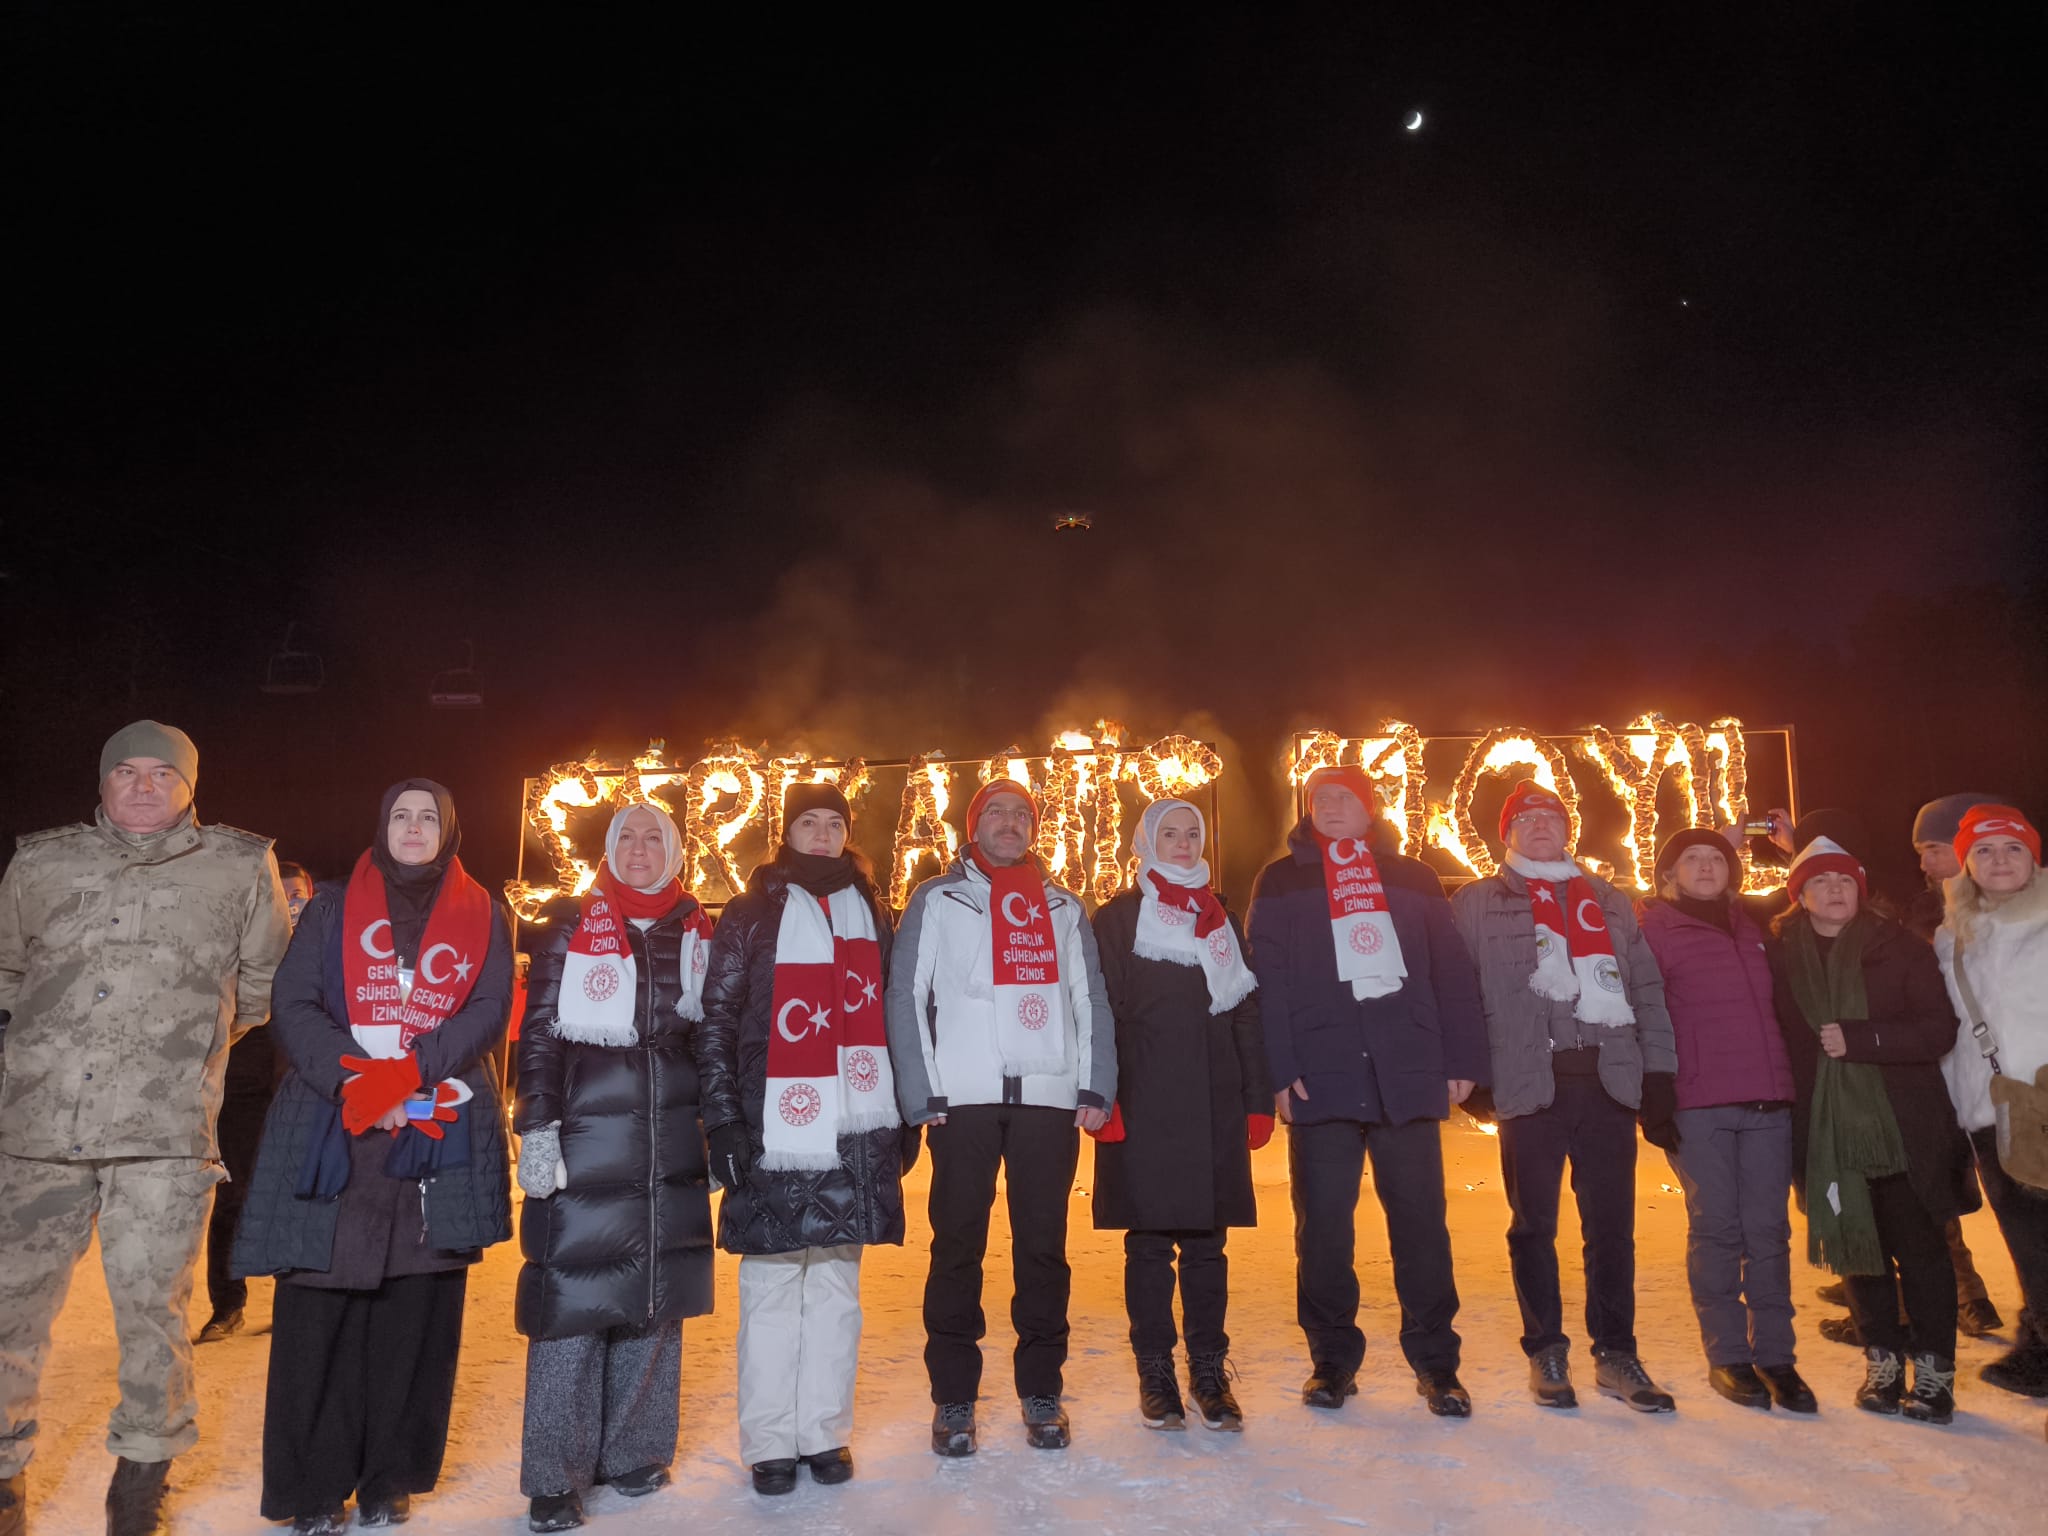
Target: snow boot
(833, 1466)
(1841, 1330)
(1209, 1385)
(1789, 1389)
(1933, 1398)
(1328, 1385)
(1835, 1293)
(555, 1512)
(135, 1497)
(1446, 1395)
(1159, 1404)
(1550, 1377)
(1741, 1385)
(2022, 1369)
(1045, 1424)
(335, 1522)
(14, 1505)
(1977, 1317)
(1621, 1375)
(220, 1325)
(641, 1481)
(1883, 1381)
(775, 1477)
(953, 1429)
(389, 1509)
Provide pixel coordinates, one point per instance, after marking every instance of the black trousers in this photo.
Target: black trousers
(361, 1383)
(239, 1130)
(1036, 1149)
(1585, 1127)
(1918, 1274)
(2022, 1216)
(1204, 1290)
(1324, 1164)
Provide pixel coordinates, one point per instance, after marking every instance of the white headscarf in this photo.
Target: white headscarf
(1167, 932)
(671, 846)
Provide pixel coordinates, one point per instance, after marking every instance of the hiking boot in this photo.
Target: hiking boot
(1841, 1330)
(1327, 1386)
(392, 1509)
(136, 1496)
(14, 1505)
(555, 1512)
(1209, 1385)
(1933, 1398)
(2022, 1369)
(1159, 1404)
(833, 1466)
(775, 1477)
(1883, 1381)
(1045, 1424)
(641, 1481)
(1741, 1385)
(1621, 1375)
(1789, 1389)
(1445, 1394)
(220, 1325)
(335, 1522)
(1977, 1317)
(953, 1429)
(1550, 1377)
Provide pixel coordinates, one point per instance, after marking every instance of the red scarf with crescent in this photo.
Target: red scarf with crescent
(384, 1014)
(599, 993)
(1361, 926)
(1030, 1006)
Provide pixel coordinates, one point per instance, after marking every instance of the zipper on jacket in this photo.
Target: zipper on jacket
(653, 1137)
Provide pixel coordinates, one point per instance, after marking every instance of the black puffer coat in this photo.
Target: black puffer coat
(1186, 1081)
(628, 1243)
(860, 1201)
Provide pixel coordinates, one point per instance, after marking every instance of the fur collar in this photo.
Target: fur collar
(1967, 911)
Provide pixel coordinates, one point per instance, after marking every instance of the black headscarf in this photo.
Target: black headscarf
(410, 889)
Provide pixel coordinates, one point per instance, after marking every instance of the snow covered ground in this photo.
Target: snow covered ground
(1382, 1463)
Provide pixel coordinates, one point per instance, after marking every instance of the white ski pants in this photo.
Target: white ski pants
(799, 1348)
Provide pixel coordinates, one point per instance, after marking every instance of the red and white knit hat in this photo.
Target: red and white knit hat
(1530, 796)
(1982, 821)
(988, 792)
(1350, 776)
(1820, 856)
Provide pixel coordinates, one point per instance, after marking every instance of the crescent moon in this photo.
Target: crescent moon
(1414, 122)
(859, 1001)
(427, 964)
(782, 1021)
(1012, 918)
(1579, 912)
(370, 949)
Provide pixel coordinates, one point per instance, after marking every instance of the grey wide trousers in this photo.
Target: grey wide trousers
(599, 1405)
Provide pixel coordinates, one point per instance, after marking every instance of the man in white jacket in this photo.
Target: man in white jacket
(1002, 1043)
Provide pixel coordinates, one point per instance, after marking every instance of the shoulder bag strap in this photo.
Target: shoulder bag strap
(1980, 1031)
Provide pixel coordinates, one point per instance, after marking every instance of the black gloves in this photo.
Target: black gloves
(913, 1139)
(732, 1154)
(1479, 1105)
(1660, 1110)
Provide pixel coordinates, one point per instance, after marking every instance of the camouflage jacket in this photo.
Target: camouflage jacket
(128, 966)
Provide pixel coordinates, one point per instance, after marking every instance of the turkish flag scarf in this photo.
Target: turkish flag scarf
(600, 977)
(828, 1049)
(1361, 926)
(384, 1013)
(1031, 1009)
(1574, 952)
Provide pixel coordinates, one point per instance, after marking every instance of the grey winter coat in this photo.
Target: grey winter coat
(1493, 915)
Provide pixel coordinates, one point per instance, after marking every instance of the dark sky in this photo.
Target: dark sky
(712, 381)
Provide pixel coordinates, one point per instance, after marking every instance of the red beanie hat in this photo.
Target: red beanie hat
(1351, 777)
(1530, 796)
(1995, 821)
(988, 792)
(1820, 856)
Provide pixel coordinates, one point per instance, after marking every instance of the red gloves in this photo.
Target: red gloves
(1258, 1130)
(382, 1084)
(1113, 1128)
(445, 1097)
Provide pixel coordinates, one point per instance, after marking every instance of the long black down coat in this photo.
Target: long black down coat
(1911, 1026)
(1186, 1080)
(785, 1211)
(628, 1243)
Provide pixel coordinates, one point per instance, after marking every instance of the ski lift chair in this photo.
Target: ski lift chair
(293, 670)
(457, 687)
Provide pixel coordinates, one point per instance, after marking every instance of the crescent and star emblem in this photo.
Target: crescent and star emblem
(427, 964)
(1031, 913)
(1580, 913)
(370, 948)
(795, 1004)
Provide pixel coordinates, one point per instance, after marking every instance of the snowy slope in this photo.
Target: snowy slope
(1382, 1463)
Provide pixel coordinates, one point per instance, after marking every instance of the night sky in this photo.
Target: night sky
(712, 382)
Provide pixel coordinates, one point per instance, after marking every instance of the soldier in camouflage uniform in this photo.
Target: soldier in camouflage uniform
(132, 952)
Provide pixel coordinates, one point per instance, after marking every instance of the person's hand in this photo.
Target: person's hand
(377, 1084)
(1258, 1130)
(393, 1120)
(1090, 1119)
(1478, 1103)
(1282, 1109)
(540, 1161)
(1781, 828)
(1461, 1089)
(1833, 1041)
(1659, 1114)
(732, 1154)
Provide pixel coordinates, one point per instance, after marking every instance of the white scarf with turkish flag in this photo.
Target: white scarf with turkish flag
(828, 1048)
(1024, 956)
(1361, 927)
(1575, 960)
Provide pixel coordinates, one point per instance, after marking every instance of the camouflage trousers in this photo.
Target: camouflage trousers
(152, 1217)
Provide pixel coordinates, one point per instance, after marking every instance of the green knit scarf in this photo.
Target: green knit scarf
(1853, 1137)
